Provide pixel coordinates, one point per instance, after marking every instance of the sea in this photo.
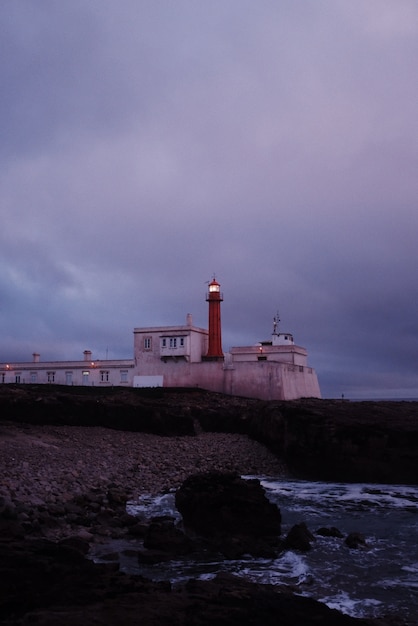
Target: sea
(378, 580)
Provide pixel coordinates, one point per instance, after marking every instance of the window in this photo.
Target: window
(33, 377)
(68, 378)
(50, 377)
(182, 341)
(17, 377)
(147, 343)
(173, 342)
(104, 376)
(124, 376)
(3, 377)
(86, 375)
(163, 342)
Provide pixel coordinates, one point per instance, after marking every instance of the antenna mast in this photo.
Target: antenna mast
(276, 322)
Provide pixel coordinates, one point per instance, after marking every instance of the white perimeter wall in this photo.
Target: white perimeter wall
(264, 380)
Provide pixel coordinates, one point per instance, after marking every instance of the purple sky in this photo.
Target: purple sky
(149, 144)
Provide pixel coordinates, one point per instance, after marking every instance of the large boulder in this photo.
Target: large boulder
(232, 514)
(299, 538)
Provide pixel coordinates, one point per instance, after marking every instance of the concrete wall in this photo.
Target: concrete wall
(148, 381)
(268, 380)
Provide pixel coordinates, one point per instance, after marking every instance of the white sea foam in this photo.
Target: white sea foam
(368, 582)
(151, 506)
(412, 567)
(289, 568)
(345, 495)
(350, 606)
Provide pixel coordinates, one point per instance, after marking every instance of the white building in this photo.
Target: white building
(187, 356)
(83, 372)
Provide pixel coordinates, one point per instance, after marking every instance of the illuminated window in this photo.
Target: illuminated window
(147, 343)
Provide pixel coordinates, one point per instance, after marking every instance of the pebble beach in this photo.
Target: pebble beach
(44, 464)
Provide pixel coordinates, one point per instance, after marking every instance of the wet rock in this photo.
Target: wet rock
(48, 584)
(162, 535)
(138, 530)
(356, 541)
(76, 543)
(299, 538)
(233, 514)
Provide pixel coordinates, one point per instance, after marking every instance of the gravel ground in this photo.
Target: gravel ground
(52, 464)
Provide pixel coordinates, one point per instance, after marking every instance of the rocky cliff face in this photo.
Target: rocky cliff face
(343, 441)
(318, 439)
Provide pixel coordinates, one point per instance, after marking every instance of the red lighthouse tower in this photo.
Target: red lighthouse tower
(214, 297)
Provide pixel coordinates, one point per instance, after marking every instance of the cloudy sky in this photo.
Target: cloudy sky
(147, 145)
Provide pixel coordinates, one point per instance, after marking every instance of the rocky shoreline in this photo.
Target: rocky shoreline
(70, 460)
(47, 468)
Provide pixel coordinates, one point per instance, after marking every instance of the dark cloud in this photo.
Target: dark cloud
(149, 145)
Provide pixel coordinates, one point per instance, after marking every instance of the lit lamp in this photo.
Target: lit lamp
(214, 287)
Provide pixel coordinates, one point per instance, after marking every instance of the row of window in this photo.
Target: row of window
(172, 342)
(166, 342)
(51, 377)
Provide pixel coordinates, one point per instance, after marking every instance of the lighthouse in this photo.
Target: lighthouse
(214, 297)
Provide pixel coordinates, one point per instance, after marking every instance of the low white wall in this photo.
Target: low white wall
(148, 381)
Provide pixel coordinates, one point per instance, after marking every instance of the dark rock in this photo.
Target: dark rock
(341, 441)
(162, 535)
(299, 538)
(7, 509)
(40, 585)
(355, 541)
(233, 514)
(117, 496)
(76, 543)
(138, 530)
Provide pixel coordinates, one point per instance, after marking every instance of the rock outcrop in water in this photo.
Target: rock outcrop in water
(233, 515)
